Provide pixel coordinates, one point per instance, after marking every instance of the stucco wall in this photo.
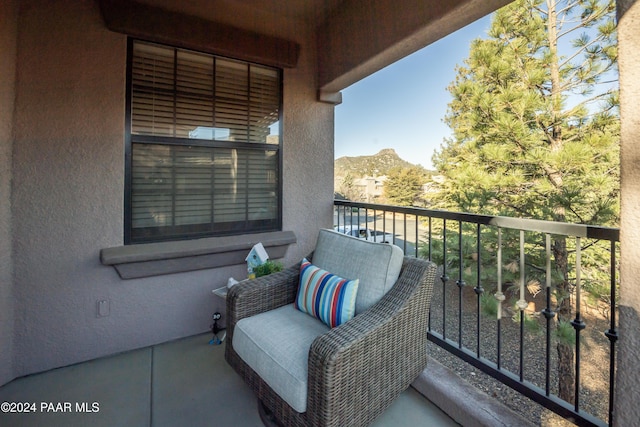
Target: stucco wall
(627, 410)
(363, 36)
(68, 204)
(8, 35)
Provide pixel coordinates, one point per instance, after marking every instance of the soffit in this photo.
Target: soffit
(157, 22)
(355, 38)
(268, 16)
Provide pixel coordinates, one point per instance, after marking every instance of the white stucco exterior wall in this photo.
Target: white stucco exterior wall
(68, 193)
(8, 37)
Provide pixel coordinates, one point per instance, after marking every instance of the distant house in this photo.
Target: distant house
(433, 185)
(371, 188)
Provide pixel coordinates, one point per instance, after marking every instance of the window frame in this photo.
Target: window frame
(131, 139)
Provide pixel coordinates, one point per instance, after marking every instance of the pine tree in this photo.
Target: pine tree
(404, 186)
(349, 190)
(536, 127)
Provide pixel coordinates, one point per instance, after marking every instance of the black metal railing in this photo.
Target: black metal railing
(500, 266)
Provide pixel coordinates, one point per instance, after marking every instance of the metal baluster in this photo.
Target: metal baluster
(404, 248)
(430, 246)
(612, 333)
(577, 323)
(351, 216)
(500, 297)
(522, 305)
(366, 217)
(444, 278)
(429, 254)
(344, 215)
(417, 237)
(478, 290)
(548, 314)
(394, 227)
(375, 222)
(460, 282)
(384, 222)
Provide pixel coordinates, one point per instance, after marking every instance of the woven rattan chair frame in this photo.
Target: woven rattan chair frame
(355, 370)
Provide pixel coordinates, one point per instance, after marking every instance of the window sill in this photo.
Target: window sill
(154, 259)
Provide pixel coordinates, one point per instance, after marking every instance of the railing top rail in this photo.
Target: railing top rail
(551, 227)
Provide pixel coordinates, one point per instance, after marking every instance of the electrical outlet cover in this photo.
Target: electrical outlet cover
(103, 308)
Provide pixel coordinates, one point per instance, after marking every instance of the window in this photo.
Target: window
(203, 145)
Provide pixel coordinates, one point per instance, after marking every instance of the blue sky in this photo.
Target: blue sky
(402, 106)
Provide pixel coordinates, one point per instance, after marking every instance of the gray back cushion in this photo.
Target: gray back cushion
(377, 265)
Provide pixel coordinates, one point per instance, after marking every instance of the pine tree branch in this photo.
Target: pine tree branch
(579, 25)
(606, 82)
(522, 211)
(540, 10)
(572, 82)
(563, 16)
(594, 98)
(584, 23)
(567, 8)
(581, 50)
(580, 220)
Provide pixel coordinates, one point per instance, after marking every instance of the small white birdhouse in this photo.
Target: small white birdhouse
(257, 256)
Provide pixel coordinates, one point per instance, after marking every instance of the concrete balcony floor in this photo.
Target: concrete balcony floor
(184, 382)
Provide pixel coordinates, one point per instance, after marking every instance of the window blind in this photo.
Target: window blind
(205, 146)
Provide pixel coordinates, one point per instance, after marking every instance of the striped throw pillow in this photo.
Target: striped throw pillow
(326, 296)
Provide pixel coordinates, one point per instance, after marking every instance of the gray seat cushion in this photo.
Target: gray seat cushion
(377, 265)
(276, 344)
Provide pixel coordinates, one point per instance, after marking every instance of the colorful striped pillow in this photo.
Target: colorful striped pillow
(326, 296)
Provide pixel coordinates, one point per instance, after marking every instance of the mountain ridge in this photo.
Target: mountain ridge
(378, 164)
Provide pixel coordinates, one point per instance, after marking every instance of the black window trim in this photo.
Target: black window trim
(128, 148)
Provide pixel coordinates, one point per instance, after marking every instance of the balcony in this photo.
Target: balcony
(62, 173)
(498, 302)
(184, 382)
(508, 353)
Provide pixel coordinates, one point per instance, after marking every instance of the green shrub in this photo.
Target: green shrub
(489, 305)
(267, 268)
(565, 333)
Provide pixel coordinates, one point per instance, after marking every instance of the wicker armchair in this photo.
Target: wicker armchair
(356, 370)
